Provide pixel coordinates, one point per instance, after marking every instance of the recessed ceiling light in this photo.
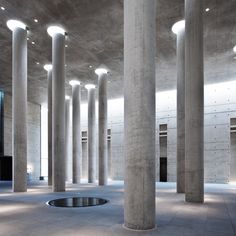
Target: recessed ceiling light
(36, 20)
(65, 64)
(37, 63)
(3, 8)
(90, 86)
(13, 24)
(234, 58)
(207, 9)
(100, 71)
(47, 67)
(67, 97)
(27, 38)
(90, 66)
(74, 82)
(178, 26)
(234, 48)
(55, 30)
(66, 46)
(33, 42)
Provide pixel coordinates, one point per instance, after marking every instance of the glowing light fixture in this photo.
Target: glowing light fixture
(13, 24)
(33, 42)
(100, 71)
(47, 67)
(36, 20)
(234, 49)
(52, 30)
(90, 86)
(67, 97)
(74, 82)
(178, 26)
(3, 8)
(207, 9)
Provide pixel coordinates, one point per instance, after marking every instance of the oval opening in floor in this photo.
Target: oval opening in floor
(77, 202)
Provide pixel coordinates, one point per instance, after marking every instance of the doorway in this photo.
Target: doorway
(163, 169)
(163, 152)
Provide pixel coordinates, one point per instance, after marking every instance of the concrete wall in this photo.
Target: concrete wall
(33, 126)
(220, 106)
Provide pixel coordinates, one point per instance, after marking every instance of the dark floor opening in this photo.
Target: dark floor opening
(77, 202)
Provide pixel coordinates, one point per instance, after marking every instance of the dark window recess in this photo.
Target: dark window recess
(6, 168)
(163, 169)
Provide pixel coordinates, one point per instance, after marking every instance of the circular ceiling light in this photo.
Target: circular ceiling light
(3, 8)
(74, 82)
(13, 24)
(67, 97)
(100, 71)
(234, 48)
(52, 30)
(207, 9)
(178, 26)
(90, 86)
(47, 67)
(36, 20)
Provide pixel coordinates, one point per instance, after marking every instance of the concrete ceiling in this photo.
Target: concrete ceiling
(95, 36)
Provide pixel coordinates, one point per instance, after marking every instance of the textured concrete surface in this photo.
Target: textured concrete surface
(89, 43)
(58, 115)
(49, 74)
(26, 214)
(67, 137)
(91, 141)
(19, 109)
(139, 113)
(194, 101)
(220, 106)
(33, 134)
(102, 130)
(180, 162)
(76, 134)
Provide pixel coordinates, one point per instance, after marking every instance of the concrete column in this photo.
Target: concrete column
(194, 101)
(109, 158)
(102, 126)
(179, 29)
(19, 104)
(58, 104)
(76, 131)
(67, 133)
(91, 134)
(139, 113)
(48, 68)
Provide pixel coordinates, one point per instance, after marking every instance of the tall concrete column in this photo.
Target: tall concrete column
(48, 68)
(91, 133)
(67, 133)
(58, 107)
(19, 104)
(76, 131)
(102, 126)
(139, 113)
(179, 29)
(194, 101)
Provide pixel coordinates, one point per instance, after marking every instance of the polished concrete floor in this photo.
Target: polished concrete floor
(23, 214)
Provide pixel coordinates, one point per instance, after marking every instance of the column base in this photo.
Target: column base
(130, 227)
